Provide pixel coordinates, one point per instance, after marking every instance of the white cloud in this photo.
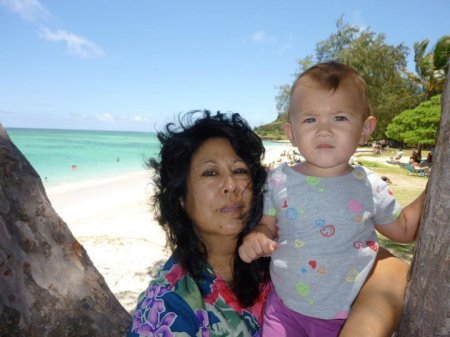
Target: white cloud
(32, 10)
(140, 119)
(358, 19)
(105, 117)
(259, 37)
(75, 44)
(29, 10)
(262, 37)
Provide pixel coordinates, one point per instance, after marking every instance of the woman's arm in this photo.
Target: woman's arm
(377, 309)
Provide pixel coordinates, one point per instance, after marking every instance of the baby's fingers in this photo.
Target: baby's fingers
(268, 247)
(251, 250)
(254, 249)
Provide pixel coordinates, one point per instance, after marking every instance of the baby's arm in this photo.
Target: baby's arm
(259, 242)
(404, 228)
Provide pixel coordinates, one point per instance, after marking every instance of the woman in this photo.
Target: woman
(209, 181)
(209, 186)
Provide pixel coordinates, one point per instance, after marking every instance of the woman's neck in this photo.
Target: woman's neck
(220, 257)
(222, 266)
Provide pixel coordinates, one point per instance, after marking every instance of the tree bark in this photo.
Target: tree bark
(48, 285)
(427, 303)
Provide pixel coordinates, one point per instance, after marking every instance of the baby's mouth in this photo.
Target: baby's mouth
(324, 146)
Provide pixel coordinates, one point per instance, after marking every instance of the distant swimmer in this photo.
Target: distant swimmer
(74, 167)
(118, 159)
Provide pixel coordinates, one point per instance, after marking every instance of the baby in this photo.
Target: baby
(320, 215)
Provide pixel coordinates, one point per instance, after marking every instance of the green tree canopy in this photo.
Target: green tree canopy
(383, 66)
(432, 66)
(418, 126)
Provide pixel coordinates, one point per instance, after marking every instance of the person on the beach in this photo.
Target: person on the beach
(209, 190)
(320, 215)
(208, 193)
(416, 157)
(428, 161)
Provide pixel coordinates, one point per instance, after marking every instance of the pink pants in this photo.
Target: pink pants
(280, 321)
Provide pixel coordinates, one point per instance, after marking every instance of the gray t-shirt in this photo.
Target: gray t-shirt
(326, 236)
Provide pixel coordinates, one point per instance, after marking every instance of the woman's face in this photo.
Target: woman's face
(219, 190)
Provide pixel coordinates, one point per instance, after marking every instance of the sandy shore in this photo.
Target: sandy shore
(111, 218)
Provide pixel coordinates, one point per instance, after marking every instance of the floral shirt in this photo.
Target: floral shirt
(175, 305)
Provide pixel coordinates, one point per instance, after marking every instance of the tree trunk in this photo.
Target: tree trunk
(48, 285)
(427, 304)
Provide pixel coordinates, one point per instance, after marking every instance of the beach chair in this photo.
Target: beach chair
(417, 171)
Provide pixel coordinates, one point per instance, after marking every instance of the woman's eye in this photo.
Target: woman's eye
(209, 173)
(241, 171)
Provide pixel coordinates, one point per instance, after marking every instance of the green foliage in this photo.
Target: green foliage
(391, 88)
(432, 66)
(274, 130)
(418, 126)
(282, 99)
(380, 64)
(284, 91)
(371, 164)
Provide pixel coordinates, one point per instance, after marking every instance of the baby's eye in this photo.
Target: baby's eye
(340, 118)
(309, 120)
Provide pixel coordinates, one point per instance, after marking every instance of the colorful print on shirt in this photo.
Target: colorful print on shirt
(326, 238)
(175, 305)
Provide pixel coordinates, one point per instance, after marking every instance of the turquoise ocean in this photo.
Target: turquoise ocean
(66, 156)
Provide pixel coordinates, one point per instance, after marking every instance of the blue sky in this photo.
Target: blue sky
(134, 65)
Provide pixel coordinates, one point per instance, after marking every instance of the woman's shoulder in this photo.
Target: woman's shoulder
(170, 303)
(175, 302)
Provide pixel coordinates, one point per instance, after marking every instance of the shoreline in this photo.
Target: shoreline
(113, 221)
(112, 218)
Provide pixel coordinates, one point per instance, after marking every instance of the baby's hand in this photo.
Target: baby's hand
(256, 245)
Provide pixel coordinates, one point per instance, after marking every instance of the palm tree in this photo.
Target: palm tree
(431, 67)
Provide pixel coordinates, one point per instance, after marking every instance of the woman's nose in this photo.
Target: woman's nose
(230, 184)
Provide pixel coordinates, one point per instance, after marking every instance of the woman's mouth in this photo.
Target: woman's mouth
(230, 208)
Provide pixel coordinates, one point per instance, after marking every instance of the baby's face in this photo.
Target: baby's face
(327, 126)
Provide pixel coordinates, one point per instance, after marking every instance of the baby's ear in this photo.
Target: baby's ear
(368, 127)
(288, 132)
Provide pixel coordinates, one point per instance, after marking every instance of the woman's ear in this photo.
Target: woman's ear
(368, 127)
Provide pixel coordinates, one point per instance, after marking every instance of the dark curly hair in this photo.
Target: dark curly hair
(178, 144)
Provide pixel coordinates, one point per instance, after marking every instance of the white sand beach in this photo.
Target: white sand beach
(111, 218)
